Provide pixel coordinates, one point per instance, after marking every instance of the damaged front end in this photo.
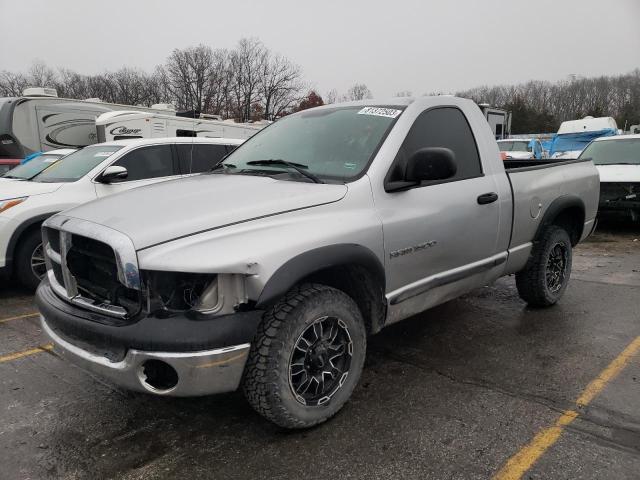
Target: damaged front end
(620, 198)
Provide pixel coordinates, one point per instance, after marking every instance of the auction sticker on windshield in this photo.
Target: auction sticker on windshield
(380, 112)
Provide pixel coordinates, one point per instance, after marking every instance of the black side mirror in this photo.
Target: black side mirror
(113, 173)
(430, 164)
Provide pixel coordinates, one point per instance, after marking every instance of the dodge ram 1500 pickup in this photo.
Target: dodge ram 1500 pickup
(269, 272)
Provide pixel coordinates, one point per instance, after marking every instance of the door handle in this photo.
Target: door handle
(487, 198)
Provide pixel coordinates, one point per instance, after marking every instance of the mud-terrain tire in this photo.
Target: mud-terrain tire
(545, 277)
(281, 375)
(29, 245)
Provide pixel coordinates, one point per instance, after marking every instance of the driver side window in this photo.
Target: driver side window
(441, 127)
(148, 162)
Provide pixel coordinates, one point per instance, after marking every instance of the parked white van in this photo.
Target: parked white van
(92, 172)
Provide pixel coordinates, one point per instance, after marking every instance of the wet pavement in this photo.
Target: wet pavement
(451, 393)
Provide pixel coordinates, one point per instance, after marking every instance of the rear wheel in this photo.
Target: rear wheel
(545, 278)
(30, 266)
(307, 357)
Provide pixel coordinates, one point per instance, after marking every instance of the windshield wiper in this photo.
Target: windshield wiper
(298, 167)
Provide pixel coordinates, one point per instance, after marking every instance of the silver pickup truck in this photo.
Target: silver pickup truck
(270, 272)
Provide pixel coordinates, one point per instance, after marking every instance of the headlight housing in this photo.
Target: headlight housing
(202, 293)
(12, 202)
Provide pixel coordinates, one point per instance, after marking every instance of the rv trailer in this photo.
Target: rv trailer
(119, 125)
(39, 120)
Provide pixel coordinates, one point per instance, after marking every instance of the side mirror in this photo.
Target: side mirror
(113, 173)
(430, 164)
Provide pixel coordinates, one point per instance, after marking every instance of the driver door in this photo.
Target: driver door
(435, 233)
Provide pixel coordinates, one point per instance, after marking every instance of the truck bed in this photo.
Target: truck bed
(535, 184)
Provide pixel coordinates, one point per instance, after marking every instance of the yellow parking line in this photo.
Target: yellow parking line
(522, 461)
(26, 315)
(25, 353)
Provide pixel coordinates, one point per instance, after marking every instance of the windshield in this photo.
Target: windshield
(76, 165)
(612, 152)
(514, 146)
(33, 167)
(330, 144)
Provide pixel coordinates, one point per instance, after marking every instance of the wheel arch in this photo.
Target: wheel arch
(567, 212)
(352, 268)
(23, 228)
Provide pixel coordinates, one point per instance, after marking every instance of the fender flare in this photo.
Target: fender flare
(17, 233)
(307, 263)
(555, 208)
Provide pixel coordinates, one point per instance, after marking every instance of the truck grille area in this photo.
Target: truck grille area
(617, 192)
(93, 265)
(85, 272)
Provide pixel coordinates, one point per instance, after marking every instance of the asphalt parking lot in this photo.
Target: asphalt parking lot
(455, 392)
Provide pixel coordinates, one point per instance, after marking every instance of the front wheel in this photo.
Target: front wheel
(30, 265)
(546, 275)
(306, 358)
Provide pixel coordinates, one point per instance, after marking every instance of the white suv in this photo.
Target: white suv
(90, 173)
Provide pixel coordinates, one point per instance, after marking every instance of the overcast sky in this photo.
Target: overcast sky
(391, 45)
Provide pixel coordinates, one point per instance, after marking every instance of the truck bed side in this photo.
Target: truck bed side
(541, 192)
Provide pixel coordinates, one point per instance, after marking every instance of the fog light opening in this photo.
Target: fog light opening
(158, 376)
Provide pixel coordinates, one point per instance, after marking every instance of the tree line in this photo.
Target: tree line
(250, 82)
(540, 106)
(246, 82)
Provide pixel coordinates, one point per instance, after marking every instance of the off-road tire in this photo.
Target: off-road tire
(532, 281)
(22, 268)
(266, 381)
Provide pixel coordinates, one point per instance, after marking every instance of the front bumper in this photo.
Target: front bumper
(198, 373)
(197, 356)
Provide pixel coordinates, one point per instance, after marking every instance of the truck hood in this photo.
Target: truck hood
(16, 189)
(619, 173)
(169, 210)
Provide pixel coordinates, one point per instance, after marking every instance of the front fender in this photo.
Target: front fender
(304, 264)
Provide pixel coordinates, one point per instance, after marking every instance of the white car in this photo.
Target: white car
(618, 161)
(90, 173)
(522, 149)
(33, 167)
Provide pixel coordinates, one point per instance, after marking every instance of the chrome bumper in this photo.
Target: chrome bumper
(198, 373)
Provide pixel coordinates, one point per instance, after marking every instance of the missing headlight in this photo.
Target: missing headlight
(176, 291)
(224, 295)
(203, 293)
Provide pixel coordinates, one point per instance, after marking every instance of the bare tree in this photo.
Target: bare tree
(12, 84)
(331, 96)
(188, 74)
(359, 92)
(41, 76)
(280, 84)
(246, 63)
